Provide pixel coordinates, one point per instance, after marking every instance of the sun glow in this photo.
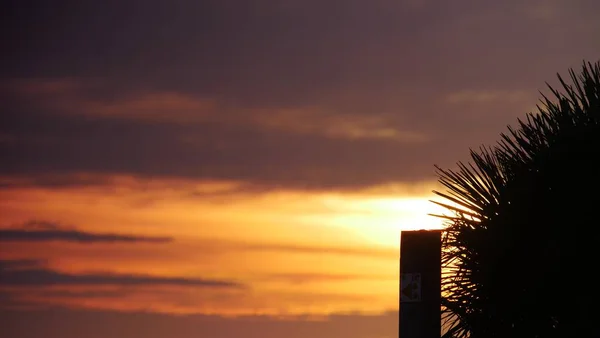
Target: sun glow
(379, 220)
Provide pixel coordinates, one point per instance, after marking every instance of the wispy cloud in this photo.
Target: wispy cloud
(179, 108)
(304, 278)
(488, 96)
(41, 231)
(390, 253)
(16, 273)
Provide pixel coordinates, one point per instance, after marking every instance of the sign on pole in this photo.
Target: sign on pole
(410, 287)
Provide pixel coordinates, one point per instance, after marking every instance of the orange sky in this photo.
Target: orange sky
(294, 252)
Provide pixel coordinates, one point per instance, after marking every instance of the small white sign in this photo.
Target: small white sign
(410, 287)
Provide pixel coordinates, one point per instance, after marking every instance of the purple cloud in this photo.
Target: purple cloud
(42, 231)
(15, 273)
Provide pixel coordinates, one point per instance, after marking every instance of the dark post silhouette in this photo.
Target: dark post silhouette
(420, 284)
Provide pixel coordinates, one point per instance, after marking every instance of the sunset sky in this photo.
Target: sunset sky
(228, 168)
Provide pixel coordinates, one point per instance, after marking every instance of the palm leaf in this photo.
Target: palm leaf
(517, 208)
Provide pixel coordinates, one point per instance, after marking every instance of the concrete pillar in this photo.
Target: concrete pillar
(420, 284)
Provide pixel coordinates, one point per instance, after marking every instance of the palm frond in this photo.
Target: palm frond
(517, 209)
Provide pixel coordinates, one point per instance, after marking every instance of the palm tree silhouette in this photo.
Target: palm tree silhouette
(520, 250)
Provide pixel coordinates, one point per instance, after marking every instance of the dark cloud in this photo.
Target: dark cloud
(63, 323)
(50, 180)
(83, 294)
(42, 231)
(218, 152)
(380, 66)
(17, 298)
(15, 274)
(21, 264)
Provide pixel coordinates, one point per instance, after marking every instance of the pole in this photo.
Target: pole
(420, 284)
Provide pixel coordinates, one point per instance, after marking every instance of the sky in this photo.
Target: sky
(225, 167)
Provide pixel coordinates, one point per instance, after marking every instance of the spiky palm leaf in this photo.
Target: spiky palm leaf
(522, 219)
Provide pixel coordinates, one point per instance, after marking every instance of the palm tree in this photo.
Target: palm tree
(521, 246)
